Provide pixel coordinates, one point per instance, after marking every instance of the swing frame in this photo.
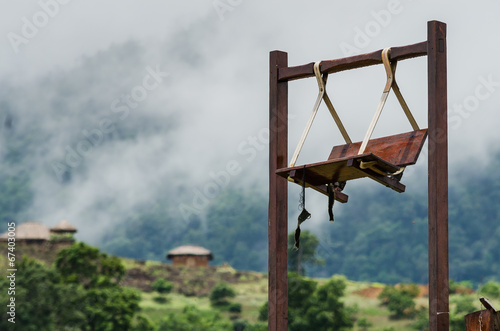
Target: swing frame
(280, 74)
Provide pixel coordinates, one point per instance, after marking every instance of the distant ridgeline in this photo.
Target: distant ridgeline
(380, 235)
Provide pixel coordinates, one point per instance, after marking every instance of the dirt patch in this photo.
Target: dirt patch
(463, 290)
(369, 292)
(373, 292)
(424, 291)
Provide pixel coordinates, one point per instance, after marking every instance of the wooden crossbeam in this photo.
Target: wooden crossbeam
(353, 62)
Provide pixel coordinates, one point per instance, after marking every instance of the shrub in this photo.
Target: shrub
(256, 327)
(422, 320)
(364, 324)
(399, 301)
(220, 293)
(162, 286)
(234, 308)
(464, 305)
(143, 323)
(194, 319)
(160, 299)
(263, 312)
(239, 325)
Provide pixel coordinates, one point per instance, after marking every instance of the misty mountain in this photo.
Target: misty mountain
(121, 144)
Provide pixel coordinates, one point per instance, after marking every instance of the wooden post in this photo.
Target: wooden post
(278, 196)
(438, 177)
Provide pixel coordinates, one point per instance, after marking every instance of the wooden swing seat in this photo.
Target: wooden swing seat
(387, 155)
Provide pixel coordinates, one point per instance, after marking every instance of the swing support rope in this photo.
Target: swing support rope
(390, 70)
(322, 95)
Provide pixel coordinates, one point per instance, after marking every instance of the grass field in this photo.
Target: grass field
(192, 286)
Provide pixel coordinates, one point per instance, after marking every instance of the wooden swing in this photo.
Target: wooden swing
(383, 159)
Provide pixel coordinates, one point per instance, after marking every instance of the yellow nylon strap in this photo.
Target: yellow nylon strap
(322, 95)
(390, 70)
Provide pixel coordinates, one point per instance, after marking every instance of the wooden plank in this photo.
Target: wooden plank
(438, 177)
(342, 169)
(483, 320)
(278, 196)
(401, 149)
(325, 172)
(353, 62)
(487, 304)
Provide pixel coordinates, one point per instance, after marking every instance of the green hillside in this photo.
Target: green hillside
(251, 289)
(83, 285)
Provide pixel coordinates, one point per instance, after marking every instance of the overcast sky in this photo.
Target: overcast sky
(196, 77)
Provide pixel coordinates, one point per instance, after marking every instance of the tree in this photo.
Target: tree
(301, 291)
(111, 308)
(105, 304)
(329, 312)
(306, 254)
(84, 264)
(315, 308)
(491, 289)
(42, 302)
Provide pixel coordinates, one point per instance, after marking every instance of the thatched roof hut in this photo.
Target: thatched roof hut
(38, 232)
(63, 227)
(29, 231)
(190, 255)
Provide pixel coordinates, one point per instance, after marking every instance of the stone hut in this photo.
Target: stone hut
(190, 256)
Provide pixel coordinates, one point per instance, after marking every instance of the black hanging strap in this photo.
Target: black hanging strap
(330, 188)
(304, 214)
(331, 200)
